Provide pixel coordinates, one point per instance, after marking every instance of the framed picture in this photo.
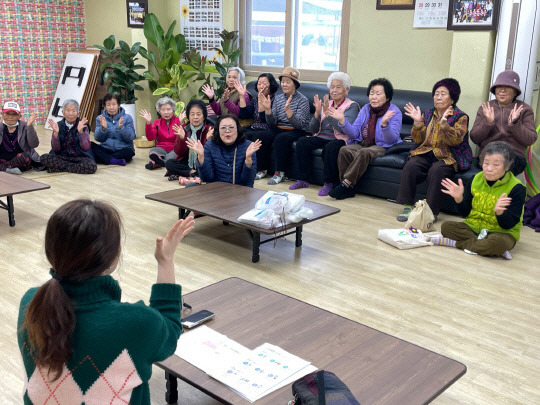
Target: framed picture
(473, 15)
(395, 4)
(136, 12)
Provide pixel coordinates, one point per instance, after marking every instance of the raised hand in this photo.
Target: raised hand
(208, 90)
(415, 113)
(501, 204)
(317, 103)
(197, 146)
(386, 117)
(182, 116)
(266, 102)
(488, 112)
(121, 122)
(146, 115)
(32, 119)
(326, 104)
(242, 90)
(514, 114)
(253, 147)
(179, 131)
(103, 122)
(54, 125)
(338, 114)
(448, 112)
(210, 133)
(81, 125)
(288, 103)
(452, 189)
(225, 95)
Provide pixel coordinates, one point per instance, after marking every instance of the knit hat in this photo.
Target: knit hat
(12, 106)
(507, 78)
(292, 74)
(453, 88)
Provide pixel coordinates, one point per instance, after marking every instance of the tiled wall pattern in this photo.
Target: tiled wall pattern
(35, 37)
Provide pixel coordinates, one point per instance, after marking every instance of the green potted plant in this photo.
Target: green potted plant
(230, 53)
(120, 71)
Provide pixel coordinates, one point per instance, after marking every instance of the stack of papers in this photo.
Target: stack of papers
(251, 373)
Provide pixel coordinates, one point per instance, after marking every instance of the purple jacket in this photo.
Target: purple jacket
(384, 137)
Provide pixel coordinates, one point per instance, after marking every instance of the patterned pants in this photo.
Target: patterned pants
(23, 161)
(80, 165)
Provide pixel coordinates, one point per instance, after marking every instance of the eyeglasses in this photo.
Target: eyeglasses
(227, 129)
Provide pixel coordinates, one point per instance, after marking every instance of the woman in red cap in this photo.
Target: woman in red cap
(506, 119)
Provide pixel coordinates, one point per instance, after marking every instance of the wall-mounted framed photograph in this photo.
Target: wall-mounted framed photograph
(395, 4)
(473, 14)
(136, 12)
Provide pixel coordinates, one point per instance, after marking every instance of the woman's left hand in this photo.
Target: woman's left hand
(514, 114)
(501, 204)
(386, 117)
(253, 147)
(446, 114)
(81, 125)
(121, 122)
(31, 120)
(197, 146)
(210, 133)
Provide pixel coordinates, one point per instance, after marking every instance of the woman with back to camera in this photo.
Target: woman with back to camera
(228, 156)
(79, 343)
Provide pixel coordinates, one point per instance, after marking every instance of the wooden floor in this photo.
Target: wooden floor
(484, 312)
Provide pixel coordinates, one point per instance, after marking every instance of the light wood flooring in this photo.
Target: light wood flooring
(484, 312)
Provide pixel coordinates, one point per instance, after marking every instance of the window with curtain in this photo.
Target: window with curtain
(310, 35)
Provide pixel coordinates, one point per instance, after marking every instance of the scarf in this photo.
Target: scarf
(374, 115)
(192, 157)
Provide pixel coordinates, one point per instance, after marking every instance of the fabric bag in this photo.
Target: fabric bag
(421, 217)
(403, 238)
(463, 154)
(321, 388)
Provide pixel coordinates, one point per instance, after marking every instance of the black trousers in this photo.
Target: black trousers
(282, 146)
(264, 153)
(179, 167)
(416, 170)
(330, 151)
(103, 155)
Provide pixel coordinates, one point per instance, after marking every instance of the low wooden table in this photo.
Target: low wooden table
(11, 184)
(227, 202)
(377, 368)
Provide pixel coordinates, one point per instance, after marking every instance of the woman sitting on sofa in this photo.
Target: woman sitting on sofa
(327, 133)
(185, 163)
(377, 127)
(493, 206)
(436, 130)
(228, 156)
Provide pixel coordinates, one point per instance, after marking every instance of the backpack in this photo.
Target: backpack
(321, 388)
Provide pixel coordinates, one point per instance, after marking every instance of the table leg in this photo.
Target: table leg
(298, 236)
(171, 396)
(11, 210)
(256, 244)
(181, 213)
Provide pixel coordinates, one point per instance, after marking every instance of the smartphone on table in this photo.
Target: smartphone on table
(197, 318)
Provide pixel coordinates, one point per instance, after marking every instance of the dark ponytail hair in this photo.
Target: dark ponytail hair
(82, 241)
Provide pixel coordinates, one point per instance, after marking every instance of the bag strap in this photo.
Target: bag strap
(234, 166)
(320, 388)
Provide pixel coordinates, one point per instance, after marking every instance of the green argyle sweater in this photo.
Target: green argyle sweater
(114, 345)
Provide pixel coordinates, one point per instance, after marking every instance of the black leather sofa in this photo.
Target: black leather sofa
(383, 176)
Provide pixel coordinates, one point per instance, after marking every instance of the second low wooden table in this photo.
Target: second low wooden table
(227, 202)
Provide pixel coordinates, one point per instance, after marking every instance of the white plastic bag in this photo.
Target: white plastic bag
(403, 238)
(264, 218)
(302, 213)
(281, 203)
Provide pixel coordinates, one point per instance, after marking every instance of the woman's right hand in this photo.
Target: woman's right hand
(54, 125)
(266, 102)
(452, 189)
(197, 146)
(146, 115)
(103, 122)
(179, 131)
(208, 90)
(415, 113)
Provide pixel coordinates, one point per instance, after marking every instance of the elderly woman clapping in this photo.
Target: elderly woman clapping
(229, 101)
(493, 206)
(327, 133)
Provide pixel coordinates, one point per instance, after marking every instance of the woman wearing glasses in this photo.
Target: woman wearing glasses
(228, 156)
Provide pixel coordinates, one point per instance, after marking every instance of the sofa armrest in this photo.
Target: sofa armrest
(400, 148)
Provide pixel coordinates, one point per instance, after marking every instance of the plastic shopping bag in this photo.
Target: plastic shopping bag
(264, 218)
(281, 203)
(403, 238)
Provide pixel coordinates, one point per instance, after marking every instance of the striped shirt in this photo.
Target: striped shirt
(299, 106)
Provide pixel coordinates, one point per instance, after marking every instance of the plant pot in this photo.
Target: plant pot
(131, 110)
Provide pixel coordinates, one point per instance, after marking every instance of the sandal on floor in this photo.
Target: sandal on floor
(173, 177)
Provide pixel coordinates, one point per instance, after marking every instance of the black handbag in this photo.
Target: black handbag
(321, 388)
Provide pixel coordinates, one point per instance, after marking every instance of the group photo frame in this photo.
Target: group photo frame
(136, 12)
(473, 14)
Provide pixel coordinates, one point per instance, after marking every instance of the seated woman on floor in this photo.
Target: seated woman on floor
(229, 101)
(184, 166)
(74, 331)
(493, 206)
(288, 119)
(327, 133)
(266, 87)
(162, 131)
(375, 129)
(115, 132)
(506, 119)
(436, 130)
(71, 147)
(228, 156)
(18, 140)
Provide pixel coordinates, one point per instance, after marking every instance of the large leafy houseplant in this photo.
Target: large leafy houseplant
(230, 53)
(120, 71)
